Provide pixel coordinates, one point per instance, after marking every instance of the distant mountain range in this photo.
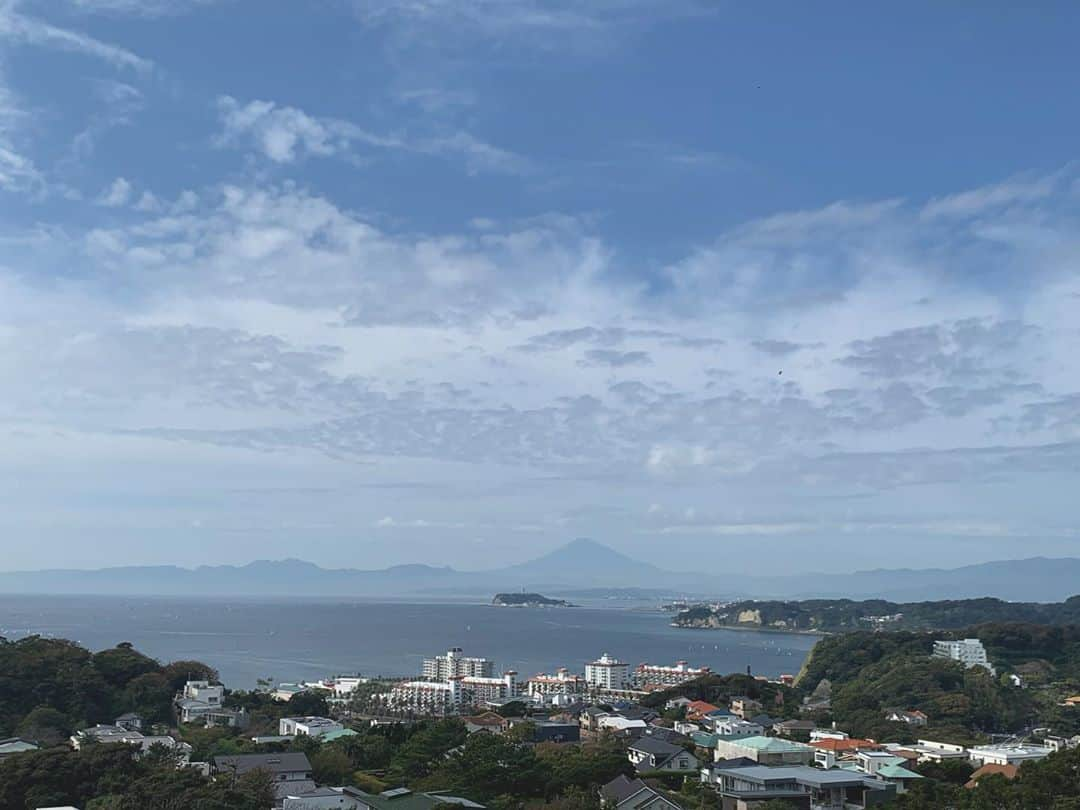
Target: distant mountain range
(581, 564)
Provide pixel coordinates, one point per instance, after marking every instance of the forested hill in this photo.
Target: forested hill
(865, 673)
(838, 615)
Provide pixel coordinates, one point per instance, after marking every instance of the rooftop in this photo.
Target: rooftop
(771, 745)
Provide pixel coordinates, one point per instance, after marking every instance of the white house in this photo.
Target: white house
(1007, 754)
(307, 726)
(651, 754)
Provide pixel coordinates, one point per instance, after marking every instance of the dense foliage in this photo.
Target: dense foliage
(871, 672)
(775, 699)
(846, 614)
(110, 777)
(49, 687)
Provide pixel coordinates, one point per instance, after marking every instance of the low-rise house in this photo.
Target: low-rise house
(745, 707)
(291, 772)
(15, 745)
(624, 793)
(802, 787)
(736, 729)
(766, 751)
(105, 735)
(845, 747)
(912, 718)
(556, 731)
(618, 724)
(349, 798)
(898, 775)
(649, 754)
(485, 721)
(287, 691)
(794, 728)
(1056, 743)
(203, 702)
(130, 721)
(684, 727)
(1016, 754)
(1071, 701)
(1007, 771)
(931, 751)
(677, 703)
(307, 726)
(697, 709)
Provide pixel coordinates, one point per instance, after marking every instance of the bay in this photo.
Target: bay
(291, 640)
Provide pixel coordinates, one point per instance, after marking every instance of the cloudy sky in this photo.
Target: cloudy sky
(729, 287)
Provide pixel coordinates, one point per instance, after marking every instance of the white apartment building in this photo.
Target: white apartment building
(563, 682)
(968, 651)
(658, 675)
(453, 664)
(307, 726)
(452, 695)
(607, 673)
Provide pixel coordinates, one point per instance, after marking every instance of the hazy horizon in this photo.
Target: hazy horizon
(370, 283)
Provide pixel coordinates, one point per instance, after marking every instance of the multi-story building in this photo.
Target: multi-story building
(444, 667)
(968, 651)
(657, 675)
(607, 673)
(452, 695)
(563, 682)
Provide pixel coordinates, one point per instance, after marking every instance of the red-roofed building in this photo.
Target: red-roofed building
(697, 709)
(1008, 771)
(847, 746)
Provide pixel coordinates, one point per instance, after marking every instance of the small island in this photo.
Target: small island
(527, 600)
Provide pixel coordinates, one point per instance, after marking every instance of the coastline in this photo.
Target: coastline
(746, 628)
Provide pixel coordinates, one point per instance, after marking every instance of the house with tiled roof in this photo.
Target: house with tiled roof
(697, 709)
(913, 717)
(650, 754)
(1008, 771)
(624, 793)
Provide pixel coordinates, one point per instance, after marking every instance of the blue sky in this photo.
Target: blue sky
(456, 281)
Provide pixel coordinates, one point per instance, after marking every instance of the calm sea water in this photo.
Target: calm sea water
(291, 640)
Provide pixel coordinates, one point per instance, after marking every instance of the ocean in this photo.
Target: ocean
(292, 640)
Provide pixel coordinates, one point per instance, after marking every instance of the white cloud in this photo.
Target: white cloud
(20, 28)
(286, 134)
(116, 194)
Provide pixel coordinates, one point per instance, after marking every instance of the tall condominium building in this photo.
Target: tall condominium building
(607, 673)
(453, 664)
(968, 651)
(656, 675)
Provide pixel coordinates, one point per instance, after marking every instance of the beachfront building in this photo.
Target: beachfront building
(562, 683)
(608, 673)
(452, 695)
(653, 675)
(454, 663)
(968, 651)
